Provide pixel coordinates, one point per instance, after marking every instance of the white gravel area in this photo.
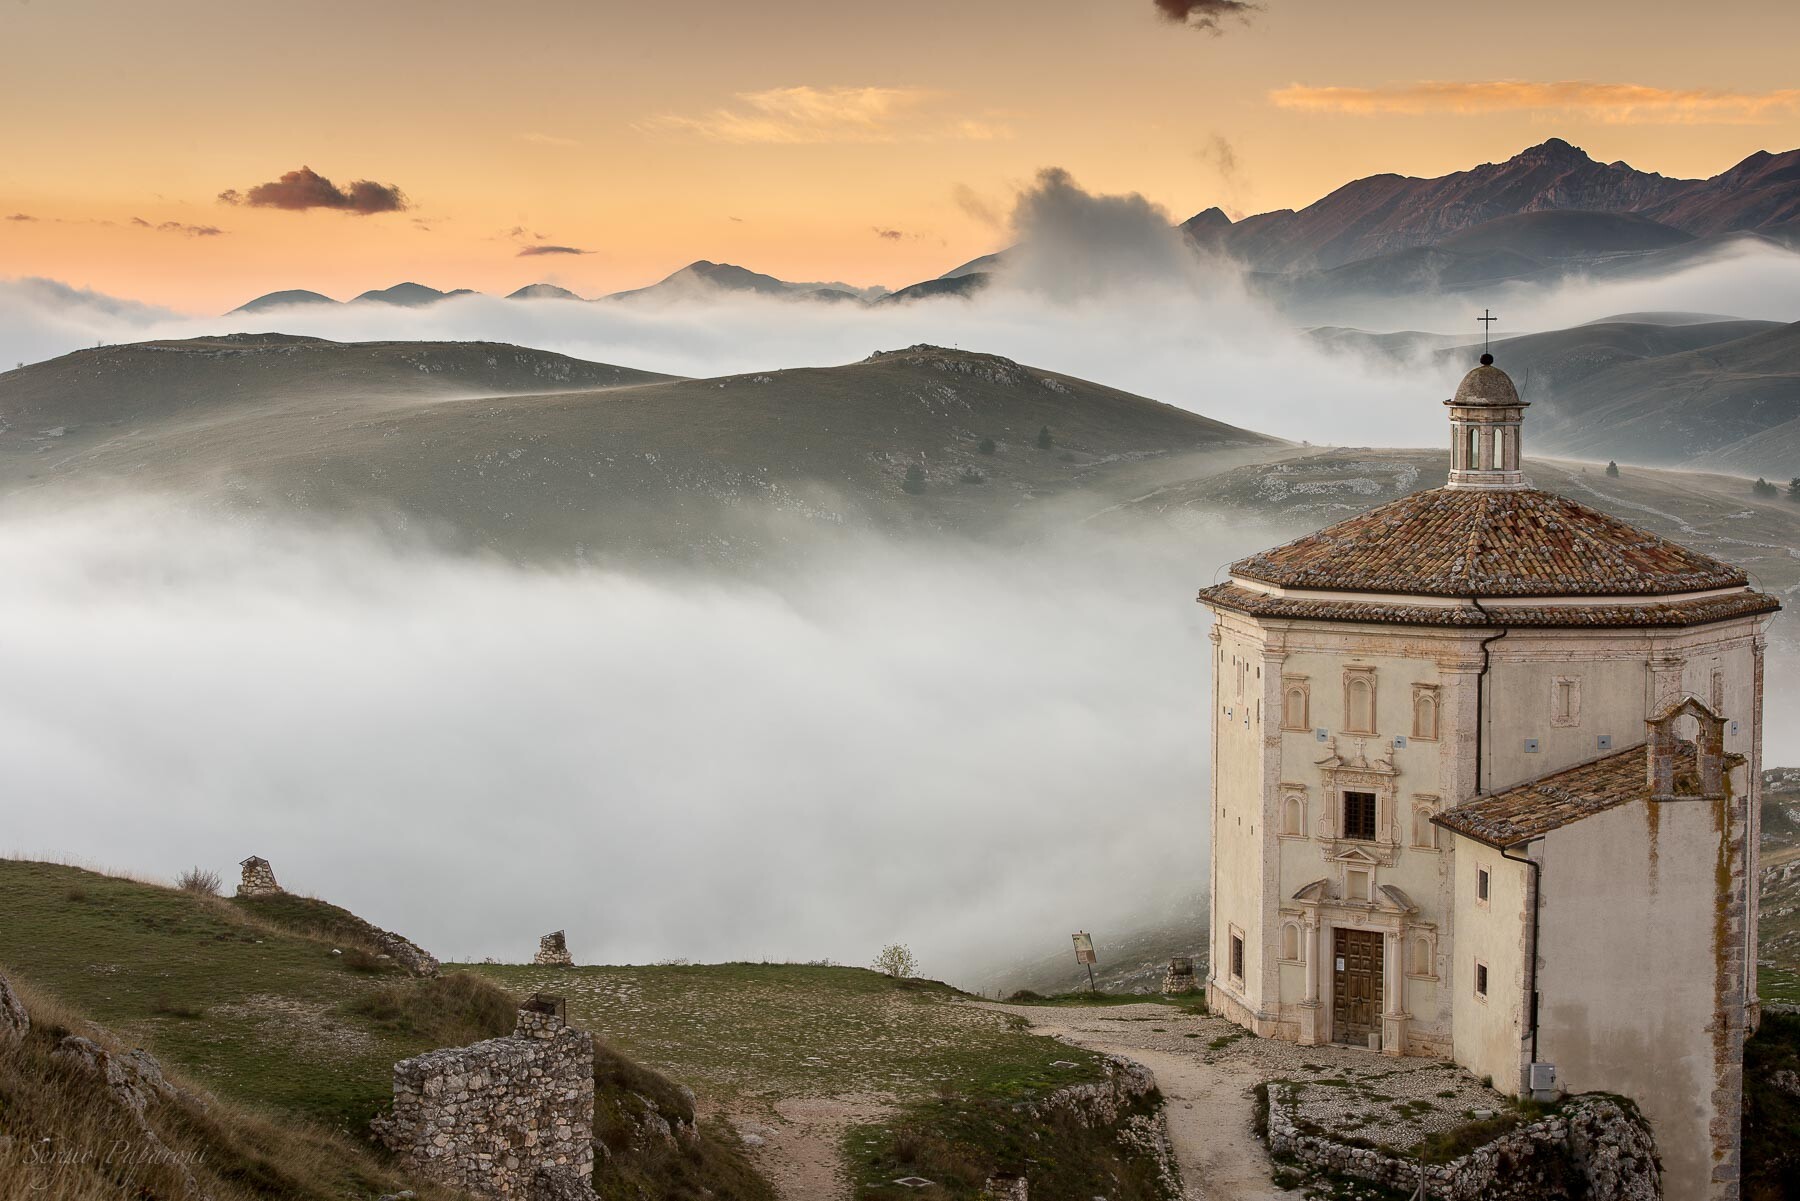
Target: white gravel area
(1207, 1069)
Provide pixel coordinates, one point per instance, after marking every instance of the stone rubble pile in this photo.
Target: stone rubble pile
(1607, 1148)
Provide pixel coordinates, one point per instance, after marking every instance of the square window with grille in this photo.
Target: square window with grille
(1237, 957)
(1359, 816)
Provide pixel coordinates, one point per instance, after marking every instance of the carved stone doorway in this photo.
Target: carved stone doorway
(1356, 985)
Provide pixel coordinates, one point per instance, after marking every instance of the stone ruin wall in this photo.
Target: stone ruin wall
(1608, 1148)
(553, 951)
(509, 1118)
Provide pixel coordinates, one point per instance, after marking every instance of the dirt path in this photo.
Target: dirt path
(1208, 1098)
(799, 1147)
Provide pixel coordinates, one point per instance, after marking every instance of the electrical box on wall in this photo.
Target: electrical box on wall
(1603, 742)
(1531, 746)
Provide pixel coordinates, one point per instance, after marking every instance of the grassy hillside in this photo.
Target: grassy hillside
(252, 1002)
(666, 468)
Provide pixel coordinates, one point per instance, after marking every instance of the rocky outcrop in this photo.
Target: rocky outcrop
(15, 1023)
(415, 959)
(510, 1118)
(1104, 1102)
(136, 1081)
(1596, 1148)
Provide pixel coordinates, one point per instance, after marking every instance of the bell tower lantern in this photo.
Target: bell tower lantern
(1485, 416)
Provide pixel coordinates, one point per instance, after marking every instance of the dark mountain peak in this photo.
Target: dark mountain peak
(1211, 218)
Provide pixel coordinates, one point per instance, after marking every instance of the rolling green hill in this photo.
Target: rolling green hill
(534, 454)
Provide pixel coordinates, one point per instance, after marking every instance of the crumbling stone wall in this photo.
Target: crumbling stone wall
(553, 951)
(15, 1022)
(510, 1118)
(259, 878)
(1180, 977)
(1595, 1148)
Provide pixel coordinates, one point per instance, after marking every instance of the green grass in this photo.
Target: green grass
(255, 1013)
(1778, 984)
(1771, 1113)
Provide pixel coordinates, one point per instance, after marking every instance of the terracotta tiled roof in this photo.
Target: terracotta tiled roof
(1660, 614)
(1484, 542)
(1504, 819)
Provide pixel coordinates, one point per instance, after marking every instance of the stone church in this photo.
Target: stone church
(1485, 777)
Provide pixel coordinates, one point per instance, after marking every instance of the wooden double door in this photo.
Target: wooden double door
(1356, 985)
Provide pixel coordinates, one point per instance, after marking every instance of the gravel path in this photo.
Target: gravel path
(1207, 1069)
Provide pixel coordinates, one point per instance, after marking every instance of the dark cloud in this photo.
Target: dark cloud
(1204, 14)
(533, 251)
(21, 217)
(176, 227)
(305, 189)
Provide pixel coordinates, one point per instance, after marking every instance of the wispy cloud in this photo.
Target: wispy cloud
(177, 227)
(305, 189)
(809, 116)
(1612, 103)
(1208, 15)
(21, 217)
(547, 139)
(528, 252)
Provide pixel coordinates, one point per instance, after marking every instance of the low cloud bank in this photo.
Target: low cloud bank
(1096, 286)
(971, 750)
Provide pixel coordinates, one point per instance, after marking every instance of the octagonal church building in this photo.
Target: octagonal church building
(1485, 772)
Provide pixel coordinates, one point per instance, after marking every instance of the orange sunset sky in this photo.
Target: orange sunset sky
(875, 144)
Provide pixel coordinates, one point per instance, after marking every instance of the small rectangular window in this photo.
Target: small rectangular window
(1481, 979)
(1481, 885)
(1359, 816)
(1237, 957)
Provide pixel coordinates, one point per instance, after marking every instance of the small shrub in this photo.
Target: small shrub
(986, 446)
(177, 1009)
(897, 961)
(971, 476)
(200, 882)
(1763, 488)
(76, 894)
(1612, 469)
(359, 960)
(1044, 440)
(1025, 997)
(914, 483)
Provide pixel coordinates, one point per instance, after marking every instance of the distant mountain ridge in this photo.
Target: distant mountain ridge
(1382, 214)
(1550, 203)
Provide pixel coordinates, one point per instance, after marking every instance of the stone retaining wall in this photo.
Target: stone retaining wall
(1595, 1148)
(511, 1118)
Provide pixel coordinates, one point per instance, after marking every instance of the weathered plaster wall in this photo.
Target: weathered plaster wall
(1239, 821)
(1488, 1032)
(1633, 954)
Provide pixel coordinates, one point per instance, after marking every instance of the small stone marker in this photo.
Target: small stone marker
(1180, 977)
(553, 951)
(259, 878)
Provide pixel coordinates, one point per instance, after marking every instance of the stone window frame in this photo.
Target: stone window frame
(1424, 808)
(1571, 719)
(1375, 815)
(1422, 695)
(1234, 953)
(1290, 794)
(1364, 674)
(1291, 925)
(1415, 936)
(1481, 980)
(1302, 685)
